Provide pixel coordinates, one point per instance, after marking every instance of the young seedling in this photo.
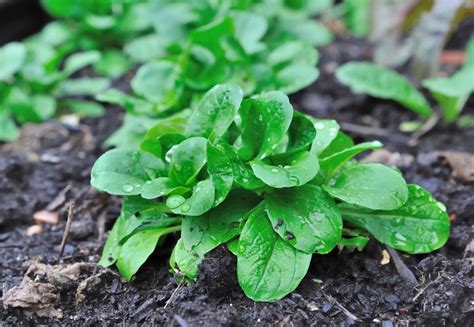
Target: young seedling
(273, 185)
(450, 93)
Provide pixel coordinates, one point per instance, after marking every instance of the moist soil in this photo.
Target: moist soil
(49, 167)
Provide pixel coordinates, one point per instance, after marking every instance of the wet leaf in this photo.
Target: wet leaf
(215, 112)
(296, 171)
(306, 217)
(187, 160)
(373, 186)
(420, 226)
(265, 121)
(201, 200)
(12, 56)
(220, 170)
(326, 132)
(268, 268)
(124, 172)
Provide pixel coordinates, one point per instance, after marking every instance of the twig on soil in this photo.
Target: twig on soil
(405, 272)
(344, 310)
(66, 230)
(181, 283)
(365, 130)
(425, 128)
(59, 199)
(426, 287)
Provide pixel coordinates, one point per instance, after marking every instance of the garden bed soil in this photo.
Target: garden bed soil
(340, 289)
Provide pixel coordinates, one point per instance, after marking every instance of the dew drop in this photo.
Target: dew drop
(319, 125)
(396, 222)
(151, 173)
(175, 201)
(376, 143)
(294, 180)
(127, 188)
(186, 207)
(441, 206)
(274, 170)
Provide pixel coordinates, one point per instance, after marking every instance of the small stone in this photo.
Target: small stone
(312, 306)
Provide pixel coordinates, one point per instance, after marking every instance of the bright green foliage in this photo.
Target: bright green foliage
(33, 88)
(196, 45)
(273, 185)
(452, 93)
(380, 82)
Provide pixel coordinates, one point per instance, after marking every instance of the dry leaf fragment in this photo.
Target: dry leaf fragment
(462, 164)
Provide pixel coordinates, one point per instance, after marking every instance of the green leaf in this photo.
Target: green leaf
(242, 172)
(293, 52)
(380, 82)
(158, 82)
(308, 31)
(132, 131)
(306, 217)
(124, 172)
(161, 186)
(215, 112)
(340, 143)
(353, 243)
(265, 121)
(219, 167)
(85, 108)
(187, 261)
(146, 48)
(326, 132)
(165, 134)
(250, 29)
(113, 63)
(137, 214)
(373, 186)
(298, 170)
(420, 226)
(138, 248)
(301, 134)
(82, 86)
(452, 93)
(295, 77)
(80, 60)
(330, 164)
(268, 268)
(187, 160)
(12, 57)
(8, 129)
(199, 203)
(225, 219)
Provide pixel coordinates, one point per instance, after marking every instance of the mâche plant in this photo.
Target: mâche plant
(273, 185)
(33, 89)
(260, 45)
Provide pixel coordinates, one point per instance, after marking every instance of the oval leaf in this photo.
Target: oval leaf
(187, 160)
(306, 217)
(373, 186)
(215, 112)
(420, 226)
(268, 268)
(381, 82)
(199, 203)
(303, 168)
(124, 172)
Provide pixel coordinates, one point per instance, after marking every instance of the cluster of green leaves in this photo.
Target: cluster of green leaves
(451, 93)
(275, 186)
(261, 45)
(33, 86)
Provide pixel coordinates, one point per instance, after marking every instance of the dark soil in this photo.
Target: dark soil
(341, 288)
